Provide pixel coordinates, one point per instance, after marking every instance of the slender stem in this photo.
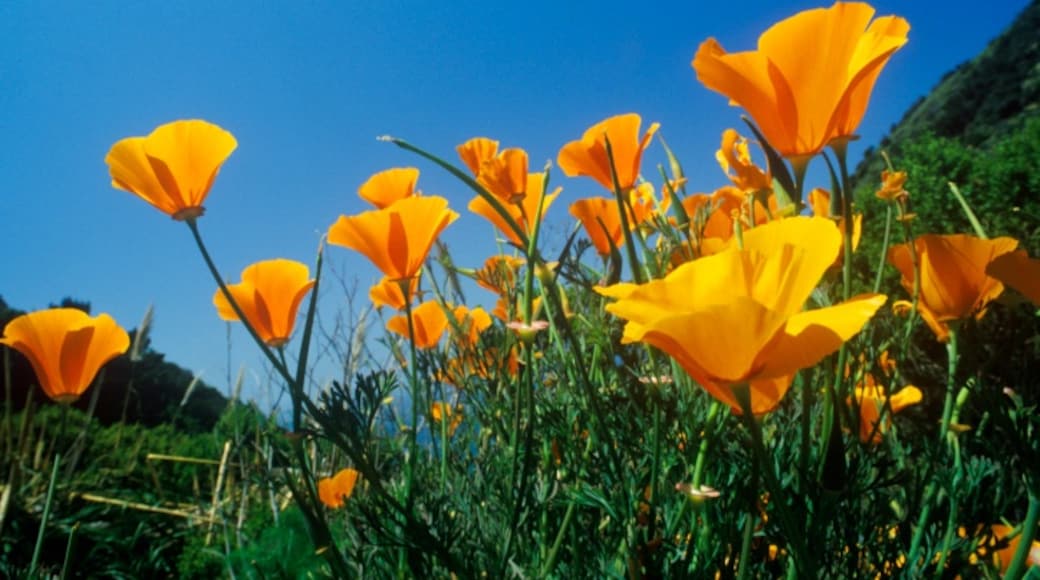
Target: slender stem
(745, 545)
(884, 249)
(282, 370)
(951, 526)
(922, 523)
(413, 449)
(630, 249)
(46, 515)
(951, 353)
(554, 551)
(1025, 541)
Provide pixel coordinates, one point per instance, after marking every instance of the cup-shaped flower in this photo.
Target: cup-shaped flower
(734, 157)
(388, 292)
(736, 317)
(810, 79)
(333, 491)
(269, 295)
(1018, 270)
(386, 187)
(524, 211)
(954, 284)
(476, 151)
(588, 155)
(505, 175)
(66, 347)
(428, 320)
(396, 238)
(173, 168)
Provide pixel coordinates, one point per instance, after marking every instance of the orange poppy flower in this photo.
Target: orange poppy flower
(811, 76)
(524, 212)
(588, 155)
(270, 295)
(396, 238)
(954, 283)
(892, 185)
(735, 159)
(736, 317)
(1019, 271)
(602, 222)
(505, 175)
(173, 168)
(332, 491)
(429, 321)
(476, 151)
(387, 292)
(66, 347)
(439, 410)
(386, 187)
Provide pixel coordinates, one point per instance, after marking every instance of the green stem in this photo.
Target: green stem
(1017, 567)
(282, 370)
(951, 353)
(554, 551)
(46, 515)
(922, 523)
(884, 249)
(745, 545)
(951, 526)
(630, 248)
(413, 448)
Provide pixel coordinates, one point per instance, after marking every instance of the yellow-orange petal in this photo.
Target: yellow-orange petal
(588, 155)
(602, 222)
(811, 335)
(475, 151)
(1018, 270)
(398, 237)
(269, 295)
(428, 320)
(333, 491)
(66, 347)
(387, 292)
(386, 187)
(505, 175)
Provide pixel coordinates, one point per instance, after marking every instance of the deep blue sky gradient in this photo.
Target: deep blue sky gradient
(307, 86)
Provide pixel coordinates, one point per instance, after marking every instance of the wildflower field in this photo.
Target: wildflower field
(760, 381)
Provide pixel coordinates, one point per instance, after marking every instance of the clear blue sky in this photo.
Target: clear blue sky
(307, 86)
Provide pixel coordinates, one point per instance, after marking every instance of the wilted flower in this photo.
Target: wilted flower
(954, 284)
(66, 347)
(269, 295)
(332, 491)
(736, 317)
(735, 159)
(173, 168)
(386, 187)
(810, 79)
(588, 155)
(396, 238)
